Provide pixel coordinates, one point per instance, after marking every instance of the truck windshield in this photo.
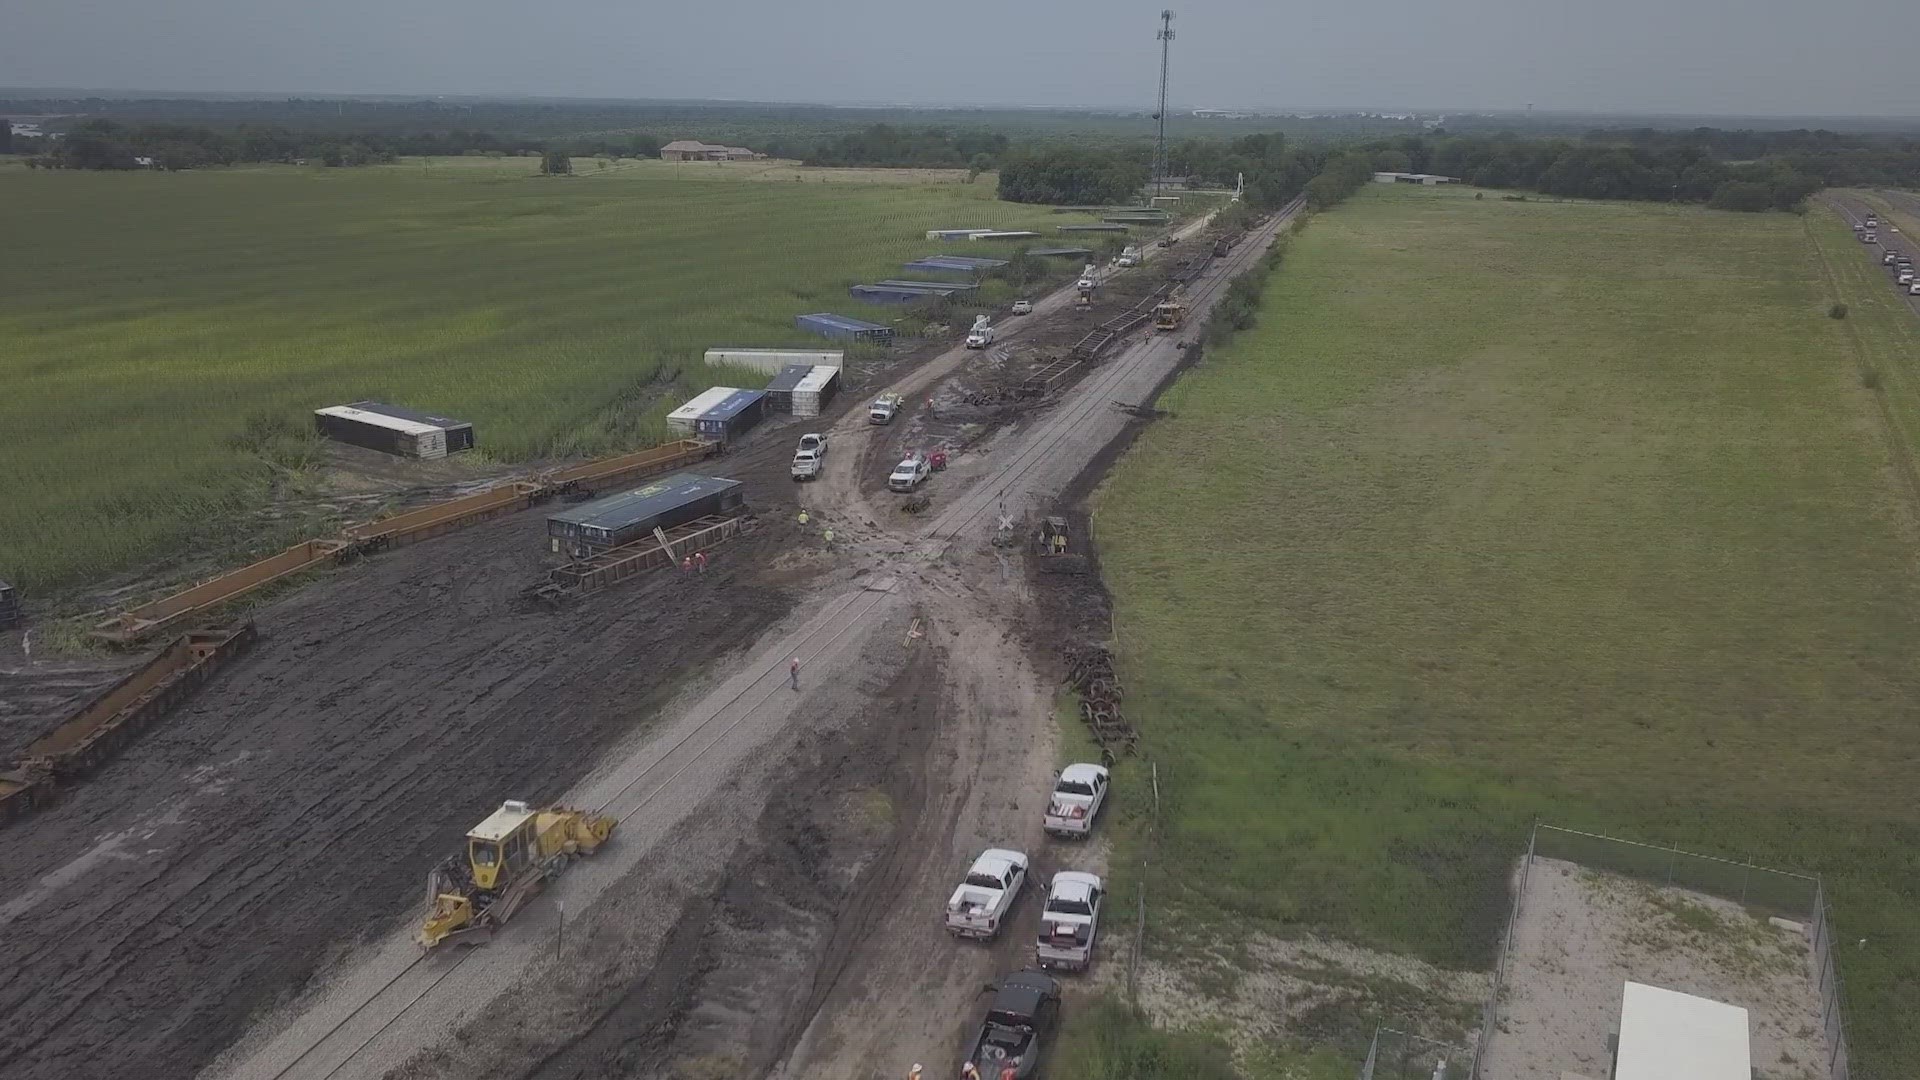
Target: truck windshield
(485, 854)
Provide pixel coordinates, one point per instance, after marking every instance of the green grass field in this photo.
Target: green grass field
(1506, 509)
(149, 318)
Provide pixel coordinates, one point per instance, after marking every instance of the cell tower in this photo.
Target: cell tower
(1160, 140)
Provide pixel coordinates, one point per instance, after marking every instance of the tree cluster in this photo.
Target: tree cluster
(886, 146)
(1063, 174)
(1733, 170)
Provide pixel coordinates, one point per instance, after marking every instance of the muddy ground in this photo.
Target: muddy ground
(287, 810)
(281, 819)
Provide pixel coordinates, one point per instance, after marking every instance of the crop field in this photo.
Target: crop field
(166, 336)
(1505, 509)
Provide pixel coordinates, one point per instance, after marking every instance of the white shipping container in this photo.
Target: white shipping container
(814, 391)
(683, 418)
(772, 360)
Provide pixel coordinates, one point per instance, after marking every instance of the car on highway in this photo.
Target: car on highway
(910, 473)
(1023, 307)
(1079, 791)
(1025, 1006)
(1869, 238)
(980, 904)
(1905, 276)
(1887, 259)
(1914, 289)
(1069, 922)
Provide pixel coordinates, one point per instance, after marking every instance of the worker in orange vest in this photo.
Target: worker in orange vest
(700, 561)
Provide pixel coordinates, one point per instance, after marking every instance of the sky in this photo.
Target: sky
(1745, 57)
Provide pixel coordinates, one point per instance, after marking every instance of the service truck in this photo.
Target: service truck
(1130, 256)
(981, 335)
(979, 906)
(1070, 922)
(884, 409)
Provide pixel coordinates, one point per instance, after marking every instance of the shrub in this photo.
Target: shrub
(1837, 311)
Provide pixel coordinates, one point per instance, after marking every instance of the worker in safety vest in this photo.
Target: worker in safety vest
(914, 1073)
(1008, 1072)
(686, 564)
(803, 517)
(968, 1072)
(700, 561)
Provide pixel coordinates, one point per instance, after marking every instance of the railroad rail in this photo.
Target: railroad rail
(407, 527)
(93, 734)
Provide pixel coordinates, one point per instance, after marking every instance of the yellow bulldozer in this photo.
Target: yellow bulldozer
(510, 856)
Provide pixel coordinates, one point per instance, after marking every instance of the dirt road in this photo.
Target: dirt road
(257, 864)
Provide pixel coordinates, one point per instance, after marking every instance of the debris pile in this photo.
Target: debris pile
(1090, 673)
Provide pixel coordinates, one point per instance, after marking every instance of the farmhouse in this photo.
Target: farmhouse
(694, 150)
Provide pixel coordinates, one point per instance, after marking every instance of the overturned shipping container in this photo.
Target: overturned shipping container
(772, 360)
(815, 391)
(394, 430)
(590, 528)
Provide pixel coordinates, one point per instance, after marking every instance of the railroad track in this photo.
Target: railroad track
(985, 497)
(328, 1051)
(321, 1056)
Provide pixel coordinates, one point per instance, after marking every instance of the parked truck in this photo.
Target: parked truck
(981, 335)
(884, 409)
(1079, 791)
(910, 473)
(1087, 282)
(1025, 1007)
(1129, 256)
(807, 458)
(1070, 922)
(981, 903)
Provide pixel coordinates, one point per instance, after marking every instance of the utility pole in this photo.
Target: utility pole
(1160, 141)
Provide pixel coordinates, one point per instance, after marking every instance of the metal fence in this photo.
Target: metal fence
(1140, 893)
(1402, 1055)
(1800, 897)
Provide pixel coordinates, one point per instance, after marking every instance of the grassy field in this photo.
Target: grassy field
(1507, 509)
(152, 321)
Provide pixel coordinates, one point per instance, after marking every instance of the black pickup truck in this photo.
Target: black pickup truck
(1025, 1007)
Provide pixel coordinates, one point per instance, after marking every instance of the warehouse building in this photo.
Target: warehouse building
(394, 430)
(695, 150)
(631, 516)
(1429, 179)
(773, 361)
(843, 328)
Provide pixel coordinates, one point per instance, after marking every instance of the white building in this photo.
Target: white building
(1667, 1035)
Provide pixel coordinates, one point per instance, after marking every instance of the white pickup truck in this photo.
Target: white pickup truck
(1070, 922)
(884, 409)
(1078, 793)
(806, 460)
(910, 474)
(981, 903)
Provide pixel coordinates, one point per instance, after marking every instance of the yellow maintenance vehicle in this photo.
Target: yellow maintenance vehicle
(1168, 314)
(510, 856)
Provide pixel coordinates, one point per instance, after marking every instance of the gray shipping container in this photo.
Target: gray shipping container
(633, 515)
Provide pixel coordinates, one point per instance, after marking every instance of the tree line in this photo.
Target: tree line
(886, 146)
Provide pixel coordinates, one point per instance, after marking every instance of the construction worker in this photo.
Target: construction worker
(793, 672)
(803, 517)
(829, 536)
(914, 1073)
(1009, 1072)
(700, 561)
(686, 564)
(968, 1072)
(1059, 543)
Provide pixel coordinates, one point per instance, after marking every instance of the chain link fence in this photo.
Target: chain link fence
(1401, 1055)
(1799, 897)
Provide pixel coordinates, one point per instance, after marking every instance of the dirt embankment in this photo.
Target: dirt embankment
(734, 980)
(286, 812)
